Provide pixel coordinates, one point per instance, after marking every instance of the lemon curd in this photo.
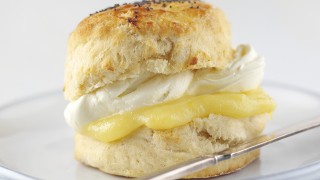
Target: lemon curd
(180, 112)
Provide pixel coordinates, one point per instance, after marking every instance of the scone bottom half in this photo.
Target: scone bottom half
(147, 150)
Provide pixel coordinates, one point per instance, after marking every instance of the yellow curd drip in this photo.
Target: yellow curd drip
(180, 112)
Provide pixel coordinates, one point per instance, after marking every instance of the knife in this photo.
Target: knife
(205, 161)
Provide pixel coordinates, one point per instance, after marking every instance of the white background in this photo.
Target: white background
(33, 37)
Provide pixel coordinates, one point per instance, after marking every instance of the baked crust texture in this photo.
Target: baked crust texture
(162, 38)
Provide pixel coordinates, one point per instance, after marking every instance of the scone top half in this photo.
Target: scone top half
(163, 37)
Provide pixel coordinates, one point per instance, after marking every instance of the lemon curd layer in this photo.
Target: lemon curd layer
(180, 112)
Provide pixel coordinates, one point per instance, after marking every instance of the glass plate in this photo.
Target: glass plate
(36, 143)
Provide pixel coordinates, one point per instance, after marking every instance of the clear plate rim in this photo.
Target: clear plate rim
(303, 170)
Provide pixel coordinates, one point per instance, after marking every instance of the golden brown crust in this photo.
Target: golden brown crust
(85, 147)
(149, 150)
(164, 38)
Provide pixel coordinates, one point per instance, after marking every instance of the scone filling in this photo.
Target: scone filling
(167, 101)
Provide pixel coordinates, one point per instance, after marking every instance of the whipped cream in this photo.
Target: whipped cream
(243, 73)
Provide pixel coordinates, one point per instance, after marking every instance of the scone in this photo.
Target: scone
(156, 83)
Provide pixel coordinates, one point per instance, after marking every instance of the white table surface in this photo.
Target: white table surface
(33, 37)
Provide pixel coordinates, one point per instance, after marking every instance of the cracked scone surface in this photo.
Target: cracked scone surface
(126, 41)
(149, 150)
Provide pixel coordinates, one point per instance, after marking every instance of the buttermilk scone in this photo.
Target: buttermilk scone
(155, 83)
